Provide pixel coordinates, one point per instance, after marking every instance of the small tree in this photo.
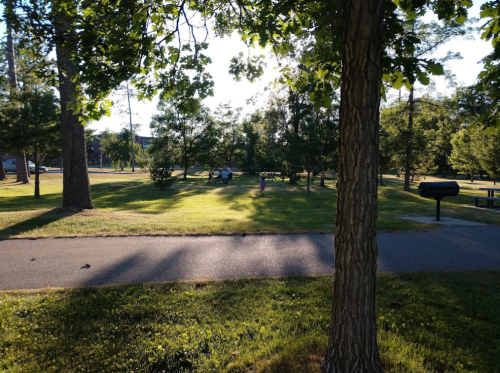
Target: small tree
(143, 159)
(161, 170)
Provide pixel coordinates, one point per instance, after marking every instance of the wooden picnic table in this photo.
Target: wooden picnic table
(491, 191)
(491, 197)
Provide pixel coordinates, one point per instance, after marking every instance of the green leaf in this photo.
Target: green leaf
(397, 80)
(491, 130)
(435, 68)
(460, 19)
(327, 101)
(423, 78)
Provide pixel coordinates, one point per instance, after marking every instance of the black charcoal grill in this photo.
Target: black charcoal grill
(438, 190)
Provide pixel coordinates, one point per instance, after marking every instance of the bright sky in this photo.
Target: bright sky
(227, 90)
(236, 93)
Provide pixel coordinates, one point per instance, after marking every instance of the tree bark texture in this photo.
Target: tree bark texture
(352, 345)
(22, 169)
(76, 184)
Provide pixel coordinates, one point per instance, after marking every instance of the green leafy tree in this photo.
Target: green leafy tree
(29, 118)
(230, 144)
(489, 78)
(117, 147)
(465, 150)
(488, 153)
(427, 38)
(394, 123)
(180, 128)
(440, 119)
(208, 141)
(248, 161)
(42, 137)
(102, 44)
(143, 159)
(22, 169)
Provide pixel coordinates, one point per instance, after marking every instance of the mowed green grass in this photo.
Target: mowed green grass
(128, 204)
(427, 322)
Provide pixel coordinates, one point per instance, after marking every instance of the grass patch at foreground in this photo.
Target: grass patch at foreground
(128, 204)
(428, 322)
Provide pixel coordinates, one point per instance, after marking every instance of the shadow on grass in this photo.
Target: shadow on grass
(39, 221)
(176, 327)
(28, 203)
(427, 323)
(271, 209)
(446, 322)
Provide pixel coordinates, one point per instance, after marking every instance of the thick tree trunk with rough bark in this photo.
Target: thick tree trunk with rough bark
(352, 345)
(76, 184)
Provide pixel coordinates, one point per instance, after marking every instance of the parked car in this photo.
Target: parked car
(10, 166)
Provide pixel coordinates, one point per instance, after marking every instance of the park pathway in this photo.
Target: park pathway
(61, 262)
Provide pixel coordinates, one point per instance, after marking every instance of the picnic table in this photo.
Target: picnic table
(489, 199)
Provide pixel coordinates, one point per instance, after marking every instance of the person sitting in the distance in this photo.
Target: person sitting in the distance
(225, 176)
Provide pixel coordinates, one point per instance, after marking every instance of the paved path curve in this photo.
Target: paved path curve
(60, 262)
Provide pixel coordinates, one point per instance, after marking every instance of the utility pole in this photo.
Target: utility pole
(131, 130)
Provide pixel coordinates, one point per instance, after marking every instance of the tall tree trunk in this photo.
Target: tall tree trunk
(352, 344)
(37, 174)
(322, 180)
(409, 142)
(76, 183)
(185, 173)
(3, 174)
(22, 175)
(308, 183)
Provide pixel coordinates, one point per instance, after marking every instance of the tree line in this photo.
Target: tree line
(447, 135)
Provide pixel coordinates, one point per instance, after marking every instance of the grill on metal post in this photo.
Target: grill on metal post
(438, 190)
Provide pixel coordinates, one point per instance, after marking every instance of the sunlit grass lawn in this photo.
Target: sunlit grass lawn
(128, 204)
(428, 322)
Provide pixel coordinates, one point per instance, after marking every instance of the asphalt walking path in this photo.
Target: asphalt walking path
(68, 262)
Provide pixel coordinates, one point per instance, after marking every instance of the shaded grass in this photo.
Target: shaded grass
(128, 204)
(428, 322)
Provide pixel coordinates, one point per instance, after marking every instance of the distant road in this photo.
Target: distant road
(60, 262)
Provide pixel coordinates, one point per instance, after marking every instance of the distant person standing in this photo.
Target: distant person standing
(262, 183)
(230, 174)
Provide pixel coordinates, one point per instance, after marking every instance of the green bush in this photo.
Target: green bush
(161, 171)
